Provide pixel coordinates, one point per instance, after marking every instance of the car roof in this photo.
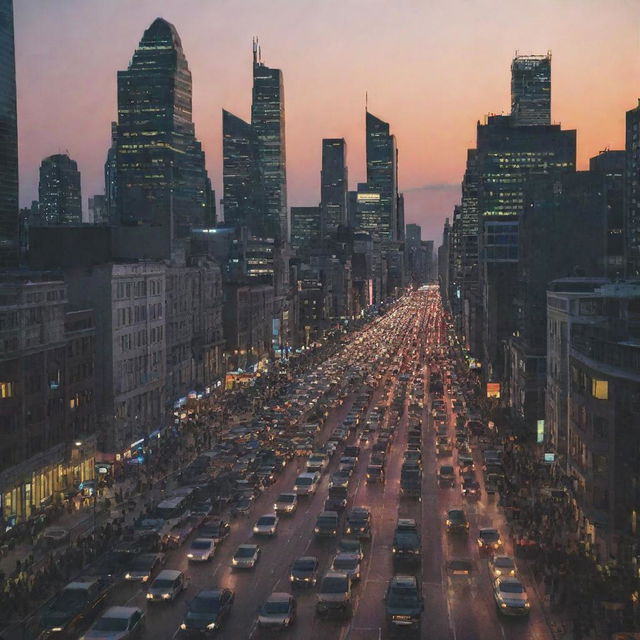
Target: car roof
(404, 581)
(120, 612)
(247, 546)
(347, 555)
(279, 596)
(336, 574)
(307, 559)
(168, 574)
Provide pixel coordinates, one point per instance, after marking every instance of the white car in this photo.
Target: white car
(167, 586)
(117, 623)
(348, 563)
(306, 484)
(502, 566)
(201, 550)
(511, 597)
(266, 525)
(246, 556)
(286, 503)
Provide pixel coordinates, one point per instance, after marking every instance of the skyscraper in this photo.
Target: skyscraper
(267, 119)
(59, 191)
(531, 90)
(632, 192)
(161, 178)
(333, 184)
(243, 195)
(8, 140)
(305, 226)
(382, 175)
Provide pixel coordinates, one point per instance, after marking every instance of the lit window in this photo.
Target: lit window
(7, 390)
(600, 389)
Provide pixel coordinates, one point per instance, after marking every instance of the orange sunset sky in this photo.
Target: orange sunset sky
(431, 68)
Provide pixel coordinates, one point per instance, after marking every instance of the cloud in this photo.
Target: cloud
(435, 186)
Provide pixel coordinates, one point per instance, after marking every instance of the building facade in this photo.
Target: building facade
(333, 185)
(59, 193)
(306, 227)
(632, 192)
(531, 90)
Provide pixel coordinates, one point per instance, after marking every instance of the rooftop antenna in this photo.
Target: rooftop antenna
(366, 101)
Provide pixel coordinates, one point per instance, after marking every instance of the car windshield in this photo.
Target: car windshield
(266, 520)
(163, 583)
(446, 470)
(201, 544)
(303, 481)
(503, 562)
(245, 552)
(350, 545)
(402, 597)
(304, 565)
(70, 597)
(489, 536)
(345, 563)
(111, 624)
(274, 608)
(286, 497)
(511, 587)
(141, 564)
(201, 604)
(456, 515)
(334, 585)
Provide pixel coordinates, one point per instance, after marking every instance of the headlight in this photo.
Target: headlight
(255, 529)
(149, 596)
(211, 625)
(234, 561)
(498, 572)
(292, 578)
(448, 523)
(56, 629)
(394, 550)
(503, 605)
(317, 530)
(127, 576)
(527, 605)
(183, 626)
(189, 555)
(348, 529)
(166, 596)
(275, 507)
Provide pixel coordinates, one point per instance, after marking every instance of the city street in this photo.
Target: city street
(450, 611)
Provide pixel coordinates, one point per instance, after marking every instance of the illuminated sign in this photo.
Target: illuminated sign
(368, 197)
(549, 457)
(493, 389)
(540, 432)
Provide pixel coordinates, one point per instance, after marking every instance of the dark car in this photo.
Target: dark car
(215, 528)
(337, 500)
(406, 541)
(457, 521)
(77, 604)
(375, 474)
(359, 523)
(207, 612)
(327, 524)
(459, 571)
(470, 488)
(403, 604)
(144, 567)
(304, 571)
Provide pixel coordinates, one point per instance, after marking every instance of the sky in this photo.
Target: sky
(431, 68)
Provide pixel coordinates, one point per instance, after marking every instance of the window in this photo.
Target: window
(600, 389)
(7, 390)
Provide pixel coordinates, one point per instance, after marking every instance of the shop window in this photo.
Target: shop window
(600, 389)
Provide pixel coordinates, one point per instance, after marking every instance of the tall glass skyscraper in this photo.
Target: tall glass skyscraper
(382, 175)
(531, 90)
(333, 184)
(160, 166)
(8, 140)
(59, 191)
(267, 119)
(243, 195)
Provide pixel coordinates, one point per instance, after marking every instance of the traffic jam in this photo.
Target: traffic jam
(364, 503)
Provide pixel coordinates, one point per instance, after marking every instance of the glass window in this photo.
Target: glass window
(600, 389)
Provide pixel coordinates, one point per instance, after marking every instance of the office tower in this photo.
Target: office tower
(400, 222)
(98, 212)
(243, 195)
(59, 191)
(414, 235)
(382, 175)
(531, 90)
(305, 226)
(267, 119)
(352, 208)
(333, 184)
(611, 165)
(110, 177)
(8, 140)
(161, 178)
(632, 192)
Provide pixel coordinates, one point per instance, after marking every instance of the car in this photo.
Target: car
(208, 611)
(406, 541)
(470, 488)
(327, 524)
(266, 525)
(117, 623)
(215, 528)
(304, 571)
(201, 550)
(143, 567)
(351, 545)
(459, 569)
(337, 500)
(446, 475)
(348, 563)
(278, 612)
(489, 539)
(375, 473)
(53, 536)
(339, 479)
(352, 451)
(306, 484)
(502, 566)
(246, 556)
(403, 604)
(413, 456)
(511, 597)
(465, 462)
(286, 503)
(443, 447)
(347, 465)
(334, 593)
(167, 586)
(317, 462)
(359, 523)
(456, 521)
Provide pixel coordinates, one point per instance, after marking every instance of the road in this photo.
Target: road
(450, 613)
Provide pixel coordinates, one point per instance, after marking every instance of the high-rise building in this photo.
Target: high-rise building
(161, 178)
(531, 90)
(382, 175)
(110, 177)
(8, 140)
(305, 226)
(98, 212)
(243, 195)
(59, 191)
(632, 192)
(333, 184)
(267, 119)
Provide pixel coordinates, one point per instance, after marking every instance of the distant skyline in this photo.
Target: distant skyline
(431, 70)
